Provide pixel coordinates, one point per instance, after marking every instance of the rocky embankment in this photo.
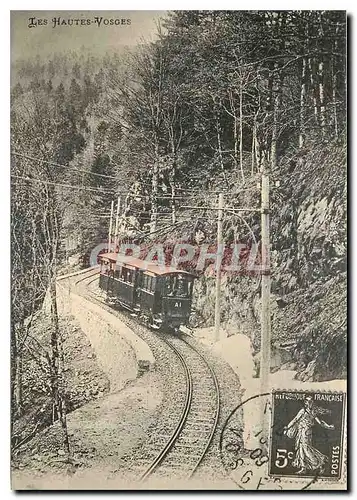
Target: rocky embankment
(309, 291)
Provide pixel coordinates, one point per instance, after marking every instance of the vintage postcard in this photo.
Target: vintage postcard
(178, 250)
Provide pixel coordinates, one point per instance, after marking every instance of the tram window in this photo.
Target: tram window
(181, 286)
(168, 285)
(148, 283)
(126, 275)
(176, 286)
(117, 274)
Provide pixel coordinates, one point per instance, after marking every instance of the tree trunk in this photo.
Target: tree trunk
(274, 137)
(57, 366)
(253, 150)
(154, 191)
(241, 131)
(271, 108)
(54, 348)
(173, 204)
(334, 93)
(235, 128)
(172, 181)
(322, 98)
(235, 133)
(269, 103)
(277, 93)
(313, 88)
(219, 144)
(16, 376)
(257, 148)
(13, 375)
(63, 417)
(321, 77)
(334, 86)
(18, 383)
(302, 104)
(220, 156)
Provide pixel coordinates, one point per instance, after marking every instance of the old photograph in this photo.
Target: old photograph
(179, 250)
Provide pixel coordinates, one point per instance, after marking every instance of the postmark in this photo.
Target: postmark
(311, 441)
(256, 430)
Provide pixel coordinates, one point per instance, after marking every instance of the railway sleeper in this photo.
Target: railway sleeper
(200, 424)
(183, 466)
(178, 446)
(184, 454)
(203, 405)
(209, 421)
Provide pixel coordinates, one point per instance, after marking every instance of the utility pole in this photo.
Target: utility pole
(110, 226)
(217, 316)
(265, 359)
(116, 236)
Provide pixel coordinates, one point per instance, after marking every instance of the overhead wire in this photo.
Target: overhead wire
(105, 176)
(75, 169)
(72, 186)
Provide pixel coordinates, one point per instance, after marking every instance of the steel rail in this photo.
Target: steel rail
(189, 391)
(218, 404)
(86, 276)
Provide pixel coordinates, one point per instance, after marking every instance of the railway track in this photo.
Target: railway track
(190, 413)
(186, 447)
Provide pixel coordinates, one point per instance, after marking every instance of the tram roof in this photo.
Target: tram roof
(144, 265)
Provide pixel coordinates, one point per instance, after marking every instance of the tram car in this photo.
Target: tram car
(161, 295)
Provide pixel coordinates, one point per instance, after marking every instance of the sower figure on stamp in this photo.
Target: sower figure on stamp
(300, 428)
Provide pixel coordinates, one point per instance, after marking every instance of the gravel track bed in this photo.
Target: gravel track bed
(195, 436)
(231, 396)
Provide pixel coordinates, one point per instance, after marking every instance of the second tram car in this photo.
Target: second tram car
(160, 294)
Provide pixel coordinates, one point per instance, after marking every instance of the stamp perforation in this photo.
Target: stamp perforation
(305, 454)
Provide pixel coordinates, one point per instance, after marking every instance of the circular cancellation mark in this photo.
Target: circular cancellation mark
(245, 447)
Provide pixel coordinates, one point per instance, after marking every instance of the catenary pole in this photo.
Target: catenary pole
(217, 316)
(265, 359)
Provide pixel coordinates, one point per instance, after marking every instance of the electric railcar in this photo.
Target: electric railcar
(161, 295)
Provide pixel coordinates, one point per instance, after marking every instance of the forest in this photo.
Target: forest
(168, 126)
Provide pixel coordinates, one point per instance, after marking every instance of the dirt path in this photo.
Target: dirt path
(101, 432)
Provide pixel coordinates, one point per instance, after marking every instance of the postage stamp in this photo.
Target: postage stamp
(307, 434)
(287, 440)
(245, 448)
